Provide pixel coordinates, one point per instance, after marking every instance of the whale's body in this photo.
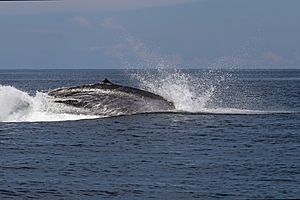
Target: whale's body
(106, 97)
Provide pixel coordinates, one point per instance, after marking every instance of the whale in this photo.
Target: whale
(107, 97)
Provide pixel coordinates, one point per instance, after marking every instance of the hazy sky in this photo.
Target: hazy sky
(144, 33)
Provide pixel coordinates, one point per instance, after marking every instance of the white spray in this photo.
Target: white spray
(19, 106)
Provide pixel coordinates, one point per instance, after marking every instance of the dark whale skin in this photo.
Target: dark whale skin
(113, 97)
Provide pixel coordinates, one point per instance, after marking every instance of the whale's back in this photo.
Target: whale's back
(106, 96)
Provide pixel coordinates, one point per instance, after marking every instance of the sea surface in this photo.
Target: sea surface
(235, 134)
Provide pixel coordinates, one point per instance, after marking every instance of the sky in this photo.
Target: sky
(96, 34)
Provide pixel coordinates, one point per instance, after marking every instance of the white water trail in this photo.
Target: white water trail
(19, 106)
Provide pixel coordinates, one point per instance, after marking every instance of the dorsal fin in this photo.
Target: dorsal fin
(106, 81)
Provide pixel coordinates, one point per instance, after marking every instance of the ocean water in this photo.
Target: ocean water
(235, 134)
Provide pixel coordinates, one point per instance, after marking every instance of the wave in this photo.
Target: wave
(235, 111)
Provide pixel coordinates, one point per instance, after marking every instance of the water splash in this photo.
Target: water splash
(19, 106)
(160, 74)
(189, 93)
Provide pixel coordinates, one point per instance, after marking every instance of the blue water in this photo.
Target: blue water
(243, 142)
